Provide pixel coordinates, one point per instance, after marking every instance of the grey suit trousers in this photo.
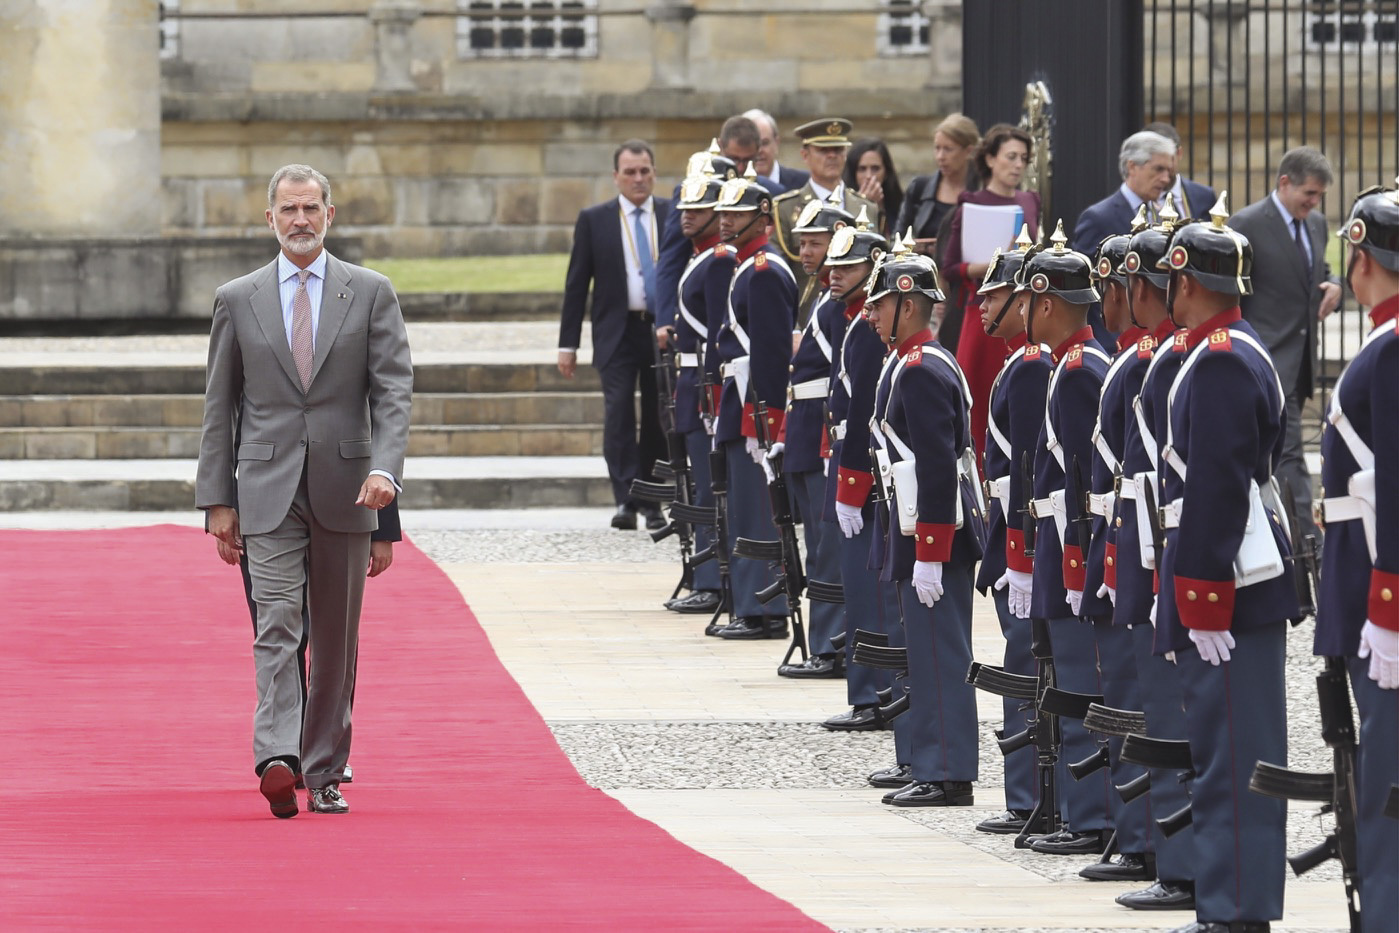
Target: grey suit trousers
(301, 553)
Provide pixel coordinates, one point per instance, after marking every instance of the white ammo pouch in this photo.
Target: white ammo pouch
(999, 489)
(1259, 558)
(1053, 504)
(812, 388)
(1360, 504)
(1141, 482)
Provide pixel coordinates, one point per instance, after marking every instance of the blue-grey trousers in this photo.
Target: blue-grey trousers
(1377, 768)
(1085, 805)
(822, 557)
(1022, 775)
(750, 516)
(697, 447)
(1163, 702)
(1117, 664)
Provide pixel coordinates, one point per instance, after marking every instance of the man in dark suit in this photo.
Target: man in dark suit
(614, 254)
(775, 177)
(1192, 199)
(1294, 291)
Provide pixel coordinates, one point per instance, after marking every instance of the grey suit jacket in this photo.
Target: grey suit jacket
(352, 419)
(1283, 305)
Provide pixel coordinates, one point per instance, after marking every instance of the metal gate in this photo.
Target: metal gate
(1243, 82)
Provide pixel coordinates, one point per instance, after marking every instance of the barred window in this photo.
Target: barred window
(1356, 24)
(169, 29)
(903, 29)
(527, 28)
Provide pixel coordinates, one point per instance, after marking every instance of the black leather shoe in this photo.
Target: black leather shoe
(1127, 866)
(816, 667)
(1238, 926)
(1092, 842)
(654, 520)
(749, 628)
(858, 719)
(1163, 895)
(716, 626)
(700, 601)
(326, 800)
(624, 519)
(1009, 823)
(898, 776)
(933, 794)
(278, 784)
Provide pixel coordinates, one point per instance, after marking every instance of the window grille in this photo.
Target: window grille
(527, 28)
(1352, 25)
(169, 29)
(903, 29)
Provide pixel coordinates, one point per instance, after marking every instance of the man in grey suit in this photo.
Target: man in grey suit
(1293, 291)
(309, 371)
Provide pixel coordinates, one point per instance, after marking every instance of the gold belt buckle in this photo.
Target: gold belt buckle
(1319, 513)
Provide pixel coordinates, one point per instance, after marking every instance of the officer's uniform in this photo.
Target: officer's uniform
(922, 416)
(1016, 412)
(869, 604)
(787, 207)
(805, 451)
(1071, 407)
(1132, 573)
(1225, 419)
(1360, 565)
(755, 349)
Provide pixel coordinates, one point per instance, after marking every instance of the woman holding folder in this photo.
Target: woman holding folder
(1001, 161)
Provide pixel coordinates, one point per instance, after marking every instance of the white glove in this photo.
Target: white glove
(1109, 592)
(1018, 597)
(766, 462)
(1213, 646)
(1076, 601)
(851, 519)
(750, 444)
(927, 581)
(1381, 646)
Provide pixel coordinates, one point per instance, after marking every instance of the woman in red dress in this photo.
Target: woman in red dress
(1001, 161)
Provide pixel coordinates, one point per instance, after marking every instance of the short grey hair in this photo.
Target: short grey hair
(1304, 163)
(755, 115)
(297, 173)
(1140, 147)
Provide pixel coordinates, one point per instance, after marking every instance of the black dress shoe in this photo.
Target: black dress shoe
(624, 519)
(816, 667)
(1092, 842)
(898, 776)
(750, 628)
(700, 601)
(1237, 926)
(1009, 823)
(278, 784)
(859, 719)
(1127, 866)
(326, 800)
(933, 794)
(1163, 895)
(715, 627)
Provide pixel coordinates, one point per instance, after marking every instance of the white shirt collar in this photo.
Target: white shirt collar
(1287, 217)
(628, 208)
(776, 176)
(287, 269)
(1133, 201)
(824, 194)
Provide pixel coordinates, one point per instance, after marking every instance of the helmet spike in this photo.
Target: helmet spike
(1058, 239)
(1220, 212)
(1023, 241)
(1168, 213)
(714, 146)
(1139, 222)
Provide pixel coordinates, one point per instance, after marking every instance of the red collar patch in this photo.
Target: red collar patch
(1219, 340)
(914, 356)
(760, 260)
(1181, 342)
(1145, 346)
(1033, 351)
(1075, 358)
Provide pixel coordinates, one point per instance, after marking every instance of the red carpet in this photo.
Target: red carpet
(128, 799)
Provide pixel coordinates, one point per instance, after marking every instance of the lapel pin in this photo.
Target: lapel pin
(343, 295)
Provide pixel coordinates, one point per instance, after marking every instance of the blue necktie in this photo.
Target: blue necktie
(643, 254)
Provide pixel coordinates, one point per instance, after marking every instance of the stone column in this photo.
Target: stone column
(79, 118)
(393, 48)
(670, 42)
(944, 43)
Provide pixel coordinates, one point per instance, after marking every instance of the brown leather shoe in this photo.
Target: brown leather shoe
(278, 784)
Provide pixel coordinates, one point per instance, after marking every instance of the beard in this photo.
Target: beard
(300, 245)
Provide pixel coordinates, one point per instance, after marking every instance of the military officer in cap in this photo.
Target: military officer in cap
(824, 145)
(1225, 595)
(1012, 430)
(1358, 610)
(935, 529)
(755, 349)
(803, 439)
(1060, 286)
(1147, 377)
(703, 285)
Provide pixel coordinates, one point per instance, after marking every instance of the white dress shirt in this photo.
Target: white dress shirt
(824, 194)
(1288, 219)
(636, 283)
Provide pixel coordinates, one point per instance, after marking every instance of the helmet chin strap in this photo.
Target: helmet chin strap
(1030, 324)
(894, 324)
(1171, 285)
(740, 232)
(1131, 310)
(713, 218)
(1005, 307)
(1350, 269)
(845, 295)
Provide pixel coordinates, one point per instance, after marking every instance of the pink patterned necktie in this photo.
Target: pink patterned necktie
(302, 350)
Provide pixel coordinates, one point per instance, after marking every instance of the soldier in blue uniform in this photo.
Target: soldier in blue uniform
(1131, 575)
(1358, 610)
(935, 530)
(802, 443)
(1060, 285)
(755, 347)
(1012, 429)
(703, 284)
(1225, 594)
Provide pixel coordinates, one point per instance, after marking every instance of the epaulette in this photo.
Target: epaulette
(1181, 342)
(1145, 347)
(760, 260)
(914, 356)
(1075, 358)
(1219, 340)
(721, 250)
(787, 194)
(1033, 351)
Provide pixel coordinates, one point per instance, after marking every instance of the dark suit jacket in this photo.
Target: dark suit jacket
(788, 178)
(1101, 220)
(1283, 305)
(1198, 198)
(597, 263)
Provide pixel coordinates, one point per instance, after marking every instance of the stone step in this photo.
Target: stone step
(107, 442)
(480, 306)
(187, 411)
(134, 378)
(431, 483)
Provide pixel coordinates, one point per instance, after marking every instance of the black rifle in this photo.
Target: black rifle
(1305, 566)
(1336, 790)
(1084, 523)
(1158, 533)
(1163, 755)
(678, 461)
(718, 516)
(791, 579)
(1027, 514)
